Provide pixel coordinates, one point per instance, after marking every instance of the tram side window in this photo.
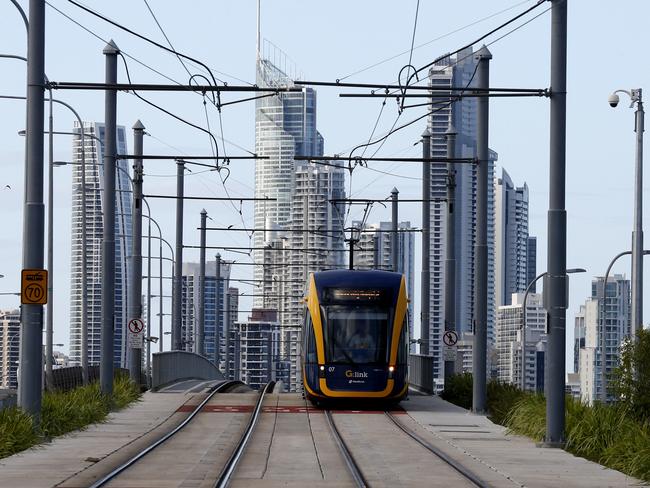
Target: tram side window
(310, 339)
(403, 347)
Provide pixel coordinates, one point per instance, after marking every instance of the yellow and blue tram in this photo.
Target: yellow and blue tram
(356, 336)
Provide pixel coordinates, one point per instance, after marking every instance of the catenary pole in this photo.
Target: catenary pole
(394, 245)
(31, 323)
(135, 300)
(479, 349)
(49, 313)
(426, 245)
(148, 340)
(108, 237)
(217, 301)
(555, 286)
(450, 260)
(177, 340)
(200, 325)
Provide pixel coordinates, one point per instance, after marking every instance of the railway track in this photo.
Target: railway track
(230, 465)
(355, 466)
(462, 470)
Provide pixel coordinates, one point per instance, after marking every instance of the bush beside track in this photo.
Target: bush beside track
(62, 412)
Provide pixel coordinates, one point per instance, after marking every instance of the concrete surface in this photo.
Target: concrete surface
(293, 447)
(502, 459)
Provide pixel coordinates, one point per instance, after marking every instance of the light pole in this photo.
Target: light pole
(523, 320)
(603, 325)
(637, 230)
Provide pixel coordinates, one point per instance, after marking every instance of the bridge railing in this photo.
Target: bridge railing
(421, 373)
(172, 366)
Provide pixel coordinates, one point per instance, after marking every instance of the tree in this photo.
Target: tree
(630, 381)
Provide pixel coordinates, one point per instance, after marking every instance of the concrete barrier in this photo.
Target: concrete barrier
(421, 373)
(172, 366)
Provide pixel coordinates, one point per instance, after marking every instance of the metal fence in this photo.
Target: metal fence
(421, 373)
(66, 379)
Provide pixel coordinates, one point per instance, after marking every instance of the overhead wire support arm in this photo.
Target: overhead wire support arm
(128, 87)
(387, 159)
(182, 158)
(376, 87)
(237, 199)
(469, 93)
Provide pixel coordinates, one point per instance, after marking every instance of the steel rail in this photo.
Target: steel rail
(352, 465)
(466, 473)
(230, 466)
(102, 481)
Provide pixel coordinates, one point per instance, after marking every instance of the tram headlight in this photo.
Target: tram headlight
(391, 369)
(321, 371)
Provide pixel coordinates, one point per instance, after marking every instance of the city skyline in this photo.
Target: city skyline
(586, 208)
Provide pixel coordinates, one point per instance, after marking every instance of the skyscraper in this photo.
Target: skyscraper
(9, 348)
(614, 302)
(447, 73)
(94, 151)
(303, 230)
(511, 239)
(216, 312)
(509, 325)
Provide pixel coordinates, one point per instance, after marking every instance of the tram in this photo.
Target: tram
(356, 337)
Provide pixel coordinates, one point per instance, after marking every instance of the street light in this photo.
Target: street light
(523, 321)
(637, 231)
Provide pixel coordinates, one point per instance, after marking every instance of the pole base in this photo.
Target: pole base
(551, 445)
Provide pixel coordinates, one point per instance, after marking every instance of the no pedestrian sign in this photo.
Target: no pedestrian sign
(33, 287)
(135, 336)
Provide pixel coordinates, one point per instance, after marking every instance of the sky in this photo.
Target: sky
(329, 41)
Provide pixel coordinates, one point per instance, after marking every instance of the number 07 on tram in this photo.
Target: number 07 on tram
(355, 336)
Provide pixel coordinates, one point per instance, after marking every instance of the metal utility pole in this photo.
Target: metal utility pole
(450, 261)
(227, 369)
(108, 239)
(217, 288)
(135, 290)
(479, 349)
(637, 233)
(555, 286)
(351, 252)
(200, 323)
(31, 322)
(160, 295)
(394, 240)
(426, 244)
(49, 313)
(148, 340)
(177, 339)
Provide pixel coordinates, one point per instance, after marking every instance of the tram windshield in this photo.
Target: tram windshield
(356, 335)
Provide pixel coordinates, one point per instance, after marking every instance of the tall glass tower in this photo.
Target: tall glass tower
(94, 152)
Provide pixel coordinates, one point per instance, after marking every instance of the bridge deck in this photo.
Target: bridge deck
(292, 447)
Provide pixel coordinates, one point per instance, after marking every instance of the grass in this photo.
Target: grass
(611, 435)
(62, 412)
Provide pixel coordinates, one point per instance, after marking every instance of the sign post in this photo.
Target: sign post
(33, 287)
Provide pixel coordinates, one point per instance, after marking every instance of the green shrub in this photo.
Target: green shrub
(630, 381)
(458, 390)
(62, 412)
(501, 399)
(16, 431)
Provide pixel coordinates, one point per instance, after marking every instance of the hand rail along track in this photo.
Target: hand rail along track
(121, 468)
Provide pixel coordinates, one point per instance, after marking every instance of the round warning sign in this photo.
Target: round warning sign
(136, 326)
(450, 338)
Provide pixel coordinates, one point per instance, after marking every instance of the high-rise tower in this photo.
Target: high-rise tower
(447, 73)
(94, 151)
(511, 239)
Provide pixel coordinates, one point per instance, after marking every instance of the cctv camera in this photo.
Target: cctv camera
(613, 100)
